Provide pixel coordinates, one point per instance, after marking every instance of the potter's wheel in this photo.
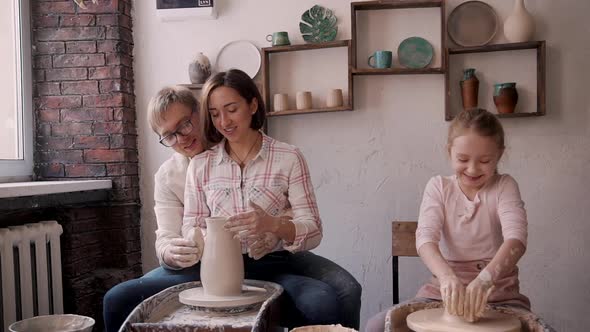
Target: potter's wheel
(250, 298)
(434, 320)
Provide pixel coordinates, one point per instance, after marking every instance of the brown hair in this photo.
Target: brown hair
(244, 85)
(166, 97)
(481, 122)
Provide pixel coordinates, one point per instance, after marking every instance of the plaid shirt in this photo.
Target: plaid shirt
(277, 180)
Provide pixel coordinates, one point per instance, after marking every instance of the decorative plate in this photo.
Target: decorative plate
(318, 25)
(239, 54)
(415, 53)
(472, 23)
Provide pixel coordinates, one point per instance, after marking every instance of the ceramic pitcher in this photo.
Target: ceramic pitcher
(222, 267)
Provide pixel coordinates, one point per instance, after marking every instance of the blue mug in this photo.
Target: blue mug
(382, 59)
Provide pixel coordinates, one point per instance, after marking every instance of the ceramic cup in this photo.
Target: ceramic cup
(280, 38)
(303, 100)
(281, 102)
(334, 98)
(382, 59)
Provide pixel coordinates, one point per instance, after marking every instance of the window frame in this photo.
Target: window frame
(22, 169)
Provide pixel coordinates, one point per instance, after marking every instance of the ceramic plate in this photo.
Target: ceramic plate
(197, 297)
(472, 23)
(415, 52)
(239, 54)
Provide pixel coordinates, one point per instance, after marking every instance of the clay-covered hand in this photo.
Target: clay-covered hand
(252, 224)
(181, 253)
(262, 245)
(452, 292)
(476, 296)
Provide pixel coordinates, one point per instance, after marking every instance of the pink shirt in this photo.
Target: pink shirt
(471, 230)
(277, 180)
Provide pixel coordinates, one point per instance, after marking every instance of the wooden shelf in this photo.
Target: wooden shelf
(267, 51)
(398, 4)
(541, 60)
(192, 86)
(305, 47)
(314, 110)
(497, 47)
(397, 71)
(517, 115)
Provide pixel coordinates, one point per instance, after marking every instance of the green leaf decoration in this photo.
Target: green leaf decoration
(318, 25)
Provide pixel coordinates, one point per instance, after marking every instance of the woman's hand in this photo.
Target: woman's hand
(476, 297)
(260, 246)
(181, 253)
(252, 224)
(452, 292)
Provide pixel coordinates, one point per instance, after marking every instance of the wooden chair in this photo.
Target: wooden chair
(403, 243)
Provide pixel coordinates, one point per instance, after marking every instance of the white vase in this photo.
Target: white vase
(222, 267)
(520, 25)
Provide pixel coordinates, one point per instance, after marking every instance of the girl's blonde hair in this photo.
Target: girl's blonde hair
(166, 97)
(481, 122)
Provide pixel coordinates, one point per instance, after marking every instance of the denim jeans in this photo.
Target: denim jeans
(348, 290)
(308, 299)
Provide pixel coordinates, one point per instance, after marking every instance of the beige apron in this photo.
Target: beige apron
(506, 290)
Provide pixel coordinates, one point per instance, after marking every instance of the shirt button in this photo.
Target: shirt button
(480, 266)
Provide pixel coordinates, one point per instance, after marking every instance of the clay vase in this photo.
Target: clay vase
(505, 97)
(334, 98)
(222, 267)
(469, 89)
(281, 102)
(520, 25)
(199, 69)
(303, 100)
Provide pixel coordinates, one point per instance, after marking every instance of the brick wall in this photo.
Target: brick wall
(85, 128)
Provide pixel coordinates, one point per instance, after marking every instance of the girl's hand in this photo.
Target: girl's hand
(252, 224)
(476, 297)
(453, 294)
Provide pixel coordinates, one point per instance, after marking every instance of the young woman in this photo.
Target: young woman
(264, 188)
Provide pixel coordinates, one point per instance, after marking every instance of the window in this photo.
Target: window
(16, 113)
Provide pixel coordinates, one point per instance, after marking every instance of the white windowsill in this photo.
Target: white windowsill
(33, 188)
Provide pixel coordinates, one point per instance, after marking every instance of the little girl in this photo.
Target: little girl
(472, 230)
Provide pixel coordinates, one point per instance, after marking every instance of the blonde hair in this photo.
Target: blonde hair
(166, 97)
(481, 122)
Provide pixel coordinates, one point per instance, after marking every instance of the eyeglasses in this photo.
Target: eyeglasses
(183, 130)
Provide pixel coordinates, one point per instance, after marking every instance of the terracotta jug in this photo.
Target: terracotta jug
(505, 97)
(469, 88)
(222, 267)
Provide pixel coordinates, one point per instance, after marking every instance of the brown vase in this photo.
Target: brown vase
(505, 97)
(469, 88)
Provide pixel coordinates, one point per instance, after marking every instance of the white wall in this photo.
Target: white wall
(370, 166)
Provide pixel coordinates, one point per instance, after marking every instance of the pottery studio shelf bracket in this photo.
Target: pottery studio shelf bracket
(355, 7)
(266, 54)
(539, 46)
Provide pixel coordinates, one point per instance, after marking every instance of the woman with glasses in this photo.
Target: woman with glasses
(264, 188)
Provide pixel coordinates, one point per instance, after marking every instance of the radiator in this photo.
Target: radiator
(31, 271)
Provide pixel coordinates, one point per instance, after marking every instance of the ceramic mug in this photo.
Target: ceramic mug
(382, 59)
(281, 102)
(280, 38)
(334, 98)
(303, 100)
